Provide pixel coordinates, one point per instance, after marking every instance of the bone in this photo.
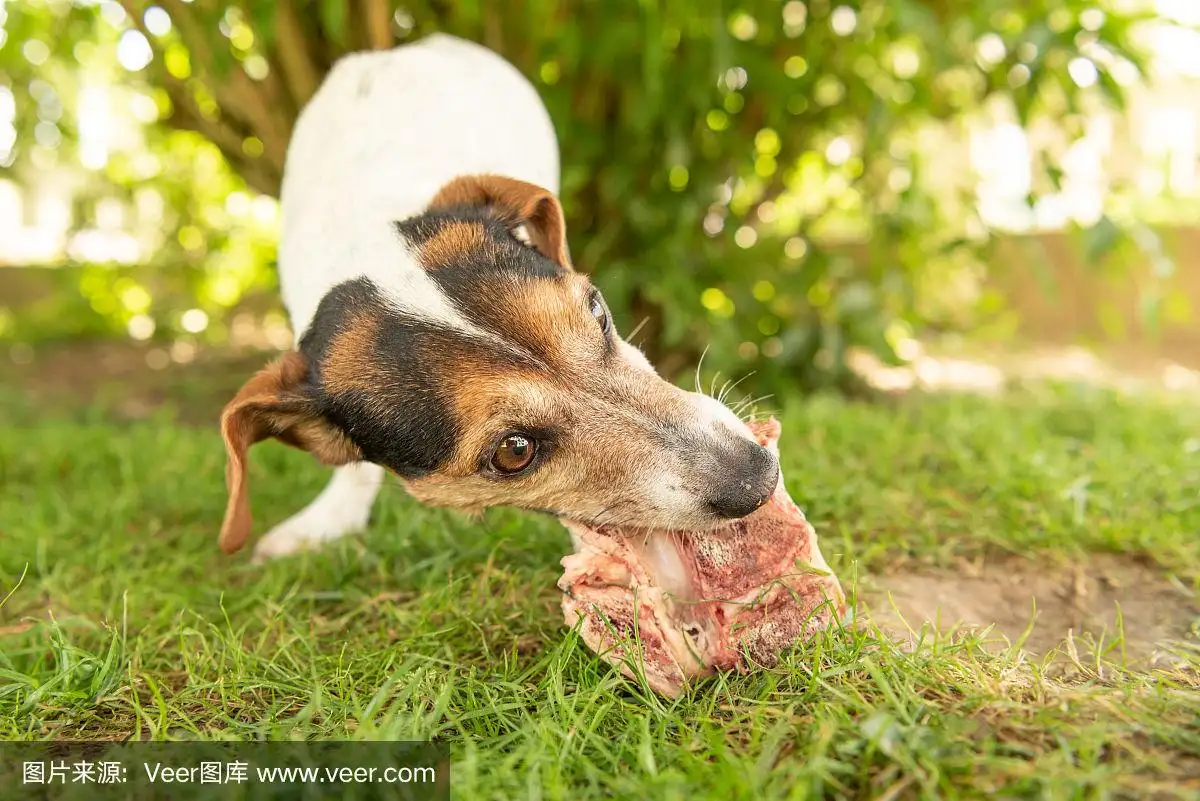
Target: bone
(676, 606)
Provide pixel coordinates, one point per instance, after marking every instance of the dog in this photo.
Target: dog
(442, 334)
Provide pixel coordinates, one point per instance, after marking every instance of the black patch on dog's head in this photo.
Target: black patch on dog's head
(387, 378)
(369, 379)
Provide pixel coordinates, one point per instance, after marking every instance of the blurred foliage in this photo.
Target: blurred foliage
(751, 178)
(209, 239)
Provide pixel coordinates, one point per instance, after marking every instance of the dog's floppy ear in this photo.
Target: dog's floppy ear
(518, 203)
(273, 404)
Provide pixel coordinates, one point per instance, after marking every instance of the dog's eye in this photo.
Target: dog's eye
(514, 453)
(600, 312)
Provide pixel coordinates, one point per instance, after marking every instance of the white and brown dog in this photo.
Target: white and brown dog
(442, 334)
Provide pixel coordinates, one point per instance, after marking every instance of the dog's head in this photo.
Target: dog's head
(489, 373)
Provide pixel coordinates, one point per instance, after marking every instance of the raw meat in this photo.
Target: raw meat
(694, 602)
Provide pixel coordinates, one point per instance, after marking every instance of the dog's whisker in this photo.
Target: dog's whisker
(607, 509)
(725, 391)
(595, 519)
(759, 412)
(712, 385)
(629, 337)
(700, 364)
(727, 388)
(750, 402)
(616, 519)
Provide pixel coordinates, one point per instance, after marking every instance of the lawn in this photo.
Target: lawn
(122, 617)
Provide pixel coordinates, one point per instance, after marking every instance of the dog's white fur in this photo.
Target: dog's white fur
(382, 135)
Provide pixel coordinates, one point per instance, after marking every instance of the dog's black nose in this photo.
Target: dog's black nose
(752, 476)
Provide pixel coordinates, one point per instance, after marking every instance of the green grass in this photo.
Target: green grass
(122, 618)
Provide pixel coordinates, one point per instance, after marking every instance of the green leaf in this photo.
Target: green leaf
(333, 20)
(1149, 310)
(1100, 239)
(262, 14)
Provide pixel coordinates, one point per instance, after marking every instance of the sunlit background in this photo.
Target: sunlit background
(155, 238)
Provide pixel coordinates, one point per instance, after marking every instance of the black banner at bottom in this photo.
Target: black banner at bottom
(224, 771)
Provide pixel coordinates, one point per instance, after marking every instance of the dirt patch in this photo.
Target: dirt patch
(127, 381)
(1084, 600)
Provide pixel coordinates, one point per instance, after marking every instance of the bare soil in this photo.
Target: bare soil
(127, 381)
(1093, 602)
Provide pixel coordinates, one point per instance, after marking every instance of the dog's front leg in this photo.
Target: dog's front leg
(342, 508)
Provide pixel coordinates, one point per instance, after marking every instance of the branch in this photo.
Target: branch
(493, 28)
(191, 31)
(257, 174)
(377, 24)
(253, 102)
(185, 117)
(135, 10)
(238, 95)
(183, 103)
(273, 81)
(224, 133)
(300, 74)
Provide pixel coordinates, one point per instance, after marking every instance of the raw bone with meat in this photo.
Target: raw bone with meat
(701, 601)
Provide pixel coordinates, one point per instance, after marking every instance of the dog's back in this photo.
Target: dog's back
(382, 135)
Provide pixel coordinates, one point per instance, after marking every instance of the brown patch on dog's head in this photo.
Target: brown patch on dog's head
(452, 243)
(350, 361)
(272, 404)
(552, 319)
(517, 204)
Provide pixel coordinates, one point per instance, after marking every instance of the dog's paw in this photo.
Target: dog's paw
(306, 531)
